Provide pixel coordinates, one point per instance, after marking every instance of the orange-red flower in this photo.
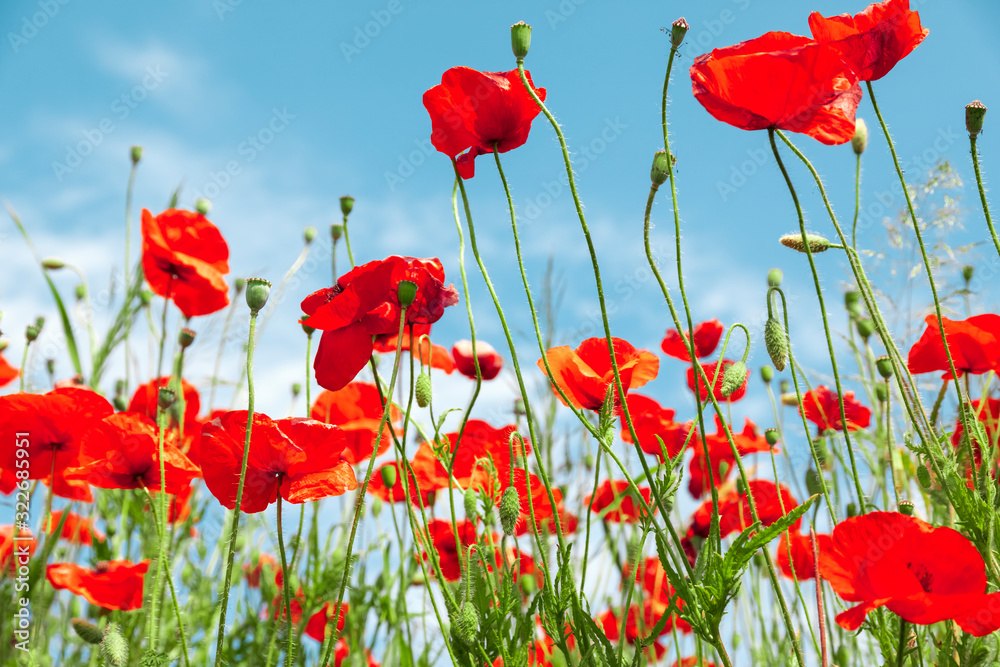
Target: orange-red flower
(76, 529)
(610, 622)
(874, 40)
(8, 373)
(365, 303)
(658, 594)
(722, 463)
(795, 555)
(479, 441)
(921, 573)
(615, 501)
(253, 572)
(652, 421)
(779, 80)
(429, 354)
(184, 258)
(974, 344)
(318, 622)
(15, 551)
(477, 110)
(822, 407)
(692, 661)
(146, 397)
(586, 373)
(710, 371)
(299, 458)
(115, 584)
(706, 339)
(357, 409)
(444, 543)
(773, 502)
(429, 481)
(490, 361)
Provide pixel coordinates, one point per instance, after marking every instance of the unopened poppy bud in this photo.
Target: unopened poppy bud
(465, 625)
(660, 171)
(4, 343)
(423, 390)
(520, 39)
(388, 476)
(471, 504)
(31, 333)
(815, 242)
(407, 292)
(519, 410)
(860, 139)
(678, 29)
(258, 290)
(967, 272)
(588, 461)
(865, 328)
(510, 510)
(741, 487)
(50, 366)
(734, 378)
(202, 205)
(975, 112)
(308, 329)
(336, 231)
(87, 631)
(185, 338)
(784, 386)
(924, 476)
(166, 397)
(296, 389)
(309, 233)
(822, 453)
(52, 263)
(114, 648)
(80, 291)
(766, 373)
(906, 507)
(146, 297)
(376, 506)
(789, 399)
(774, 277)
(843, 656)
(723, 469)
(852, 510)
(240, 284)
(884, 366)
(851, 299)
(346, 205)
(136, 154)
(776, 343)
(881, 393)
(120, 404)
(814, 482)
(772, 436)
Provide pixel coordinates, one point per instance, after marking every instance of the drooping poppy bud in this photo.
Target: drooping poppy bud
(975, 113)
(465, 626)
(423, 390)
(814, 482)
(87, 631)
(924, 476)
(471, 504)
(52, 263)
(80, 292)
(881, 393)
(734, 377)
(815, 242)
(520, 39)
(510, 509)
(865, 328)
(776, 343)
(114, 648)
(660, 171)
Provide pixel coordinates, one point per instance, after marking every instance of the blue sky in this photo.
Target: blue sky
(275, 110)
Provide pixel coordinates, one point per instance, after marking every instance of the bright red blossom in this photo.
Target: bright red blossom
(8, 373)
(617, 503)
(974, 344)
(720, 453)
(773, 502)
(429, 354)
(443, 542)
(318, 622)
(706, 338)
(76, 529)
(11, 550)
(115, 584)
(710, 373)
(586, 372)
(822, 407)
(357, 410)
(490, 361)
(652, 421)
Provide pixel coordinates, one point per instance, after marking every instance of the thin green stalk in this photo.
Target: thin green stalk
(286, 586)
(982, 190)
(170, 580)
(128, 263)
(24, 362)
(347, 242)
(309, 342)
(857, 202)
(154, 616)
(903, 633)
(163, 326)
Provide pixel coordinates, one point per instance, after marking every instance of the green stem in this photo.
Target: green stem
(24, 362)
(901, 653)
(309, 342)
(350, 255)
(857, 202)
(161, 420)
(163, 326)
(128, 263)
(982, 191)
(170, 580)
(286, 586)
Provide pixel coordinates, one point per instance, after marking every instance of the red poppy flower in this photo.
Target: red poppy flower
(651, 420)
(65, 487)
(184, 258)
(873, 41)
(545, 514)
(443, 541)
(365, 303)
(490, 361)
(795, 555)
(76, 529)
(974, 345)
(610, 622)
(122, 452)
(276, 610)
(146, 398)
(429, 354)
(706, 339)
(253, 572)
(8, 482)
(773, 502)
(710, 370)
(658, 593)
(822, 407)
(180, 505)
(15, 552)
(357, 409)
(747, 442)
(921, 573)
(692, 661)
(779, 80)
(475, 110)
(586, 373)
(8, 373)
(479, 441)
(299, 458)
(115, 584)
(428, 481)
(342, 649)
(318, 622)
(616, 497)
(55, 424)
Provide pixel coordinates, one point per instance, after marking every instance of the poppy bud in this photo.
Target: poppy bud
(520, 39)
(510, 509)
(975, 112)
(815, 242)
(881, 393)
(406, 290)
(423, 390)
(52, 263)
(772, 436)
(852, 510)
(822, 454)
(884, 366)
(296, 389)
(120, 405)
(784, 387)
(31, 333)
(924, 476)
(336, 231)
(734, 378)
(660, 171)
(906, 507)
(4, 342)
(865, 328)
(678, 29)
(588, 461)
(632, 551)
(202, 205)
(185, 338)
(146, 297)
(842, 655)
(166, 397)
(789, 399)
(860, 139)
(80, 291)
(346, 205)
(308, 329)
(519, 410)
(776, 343)
(723, 469)
(114, 648)
(240, 284)
(136, 154)
(814, 482)
(50, 366)
(774, 277)
(967, 272)
(851, 299)
(87, 631)
(258, 290)
(471, 504)
(309, 233)
(741, 487)
(388, 476)
(766, 373)
(465, 625)
(376, 506)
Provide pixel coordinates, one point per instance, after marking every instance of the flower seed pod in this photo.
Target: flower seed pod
(660, 171)
(31, 333)
(734, 377)
(776, 343)
(865, 328)
(296, 389)
(346, 205)
(87, 631)
(471, 504)
(136, 154)
(967, 272)
(884, 366)
(772, 436)
(185, 338)
(975, 112)
(816, 243)
(202, 205)
(785, 386)
(766, 373)
(814, 482)
(80, 292)
(52, 263)
(258, 290)
(906, 507)
(774, 277)
(166, 397)
(407, 292)
(308, 234)
(678, 29)
(388, 476)
(423, 390)
(789, 399)
(336, 231)
(860, 139)
(510, 510)
(114, 648)
(852, 510)
(520, 39)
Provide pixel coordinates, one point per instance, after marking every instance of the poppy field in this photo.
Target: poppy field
(384, 520)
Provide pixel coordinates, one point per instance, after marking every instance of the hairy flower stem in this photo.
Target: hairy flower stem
(904, 628)
(347, 242)
(857, 204)
(170, 580)
(163, 327)
(826, 324)
(819, 598)
(309, 342)
(286, 586)
(982, 190)
(234, 530)
(161, 529)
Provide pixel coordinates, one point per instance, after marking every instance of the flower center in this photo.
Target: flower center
(923, 576)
